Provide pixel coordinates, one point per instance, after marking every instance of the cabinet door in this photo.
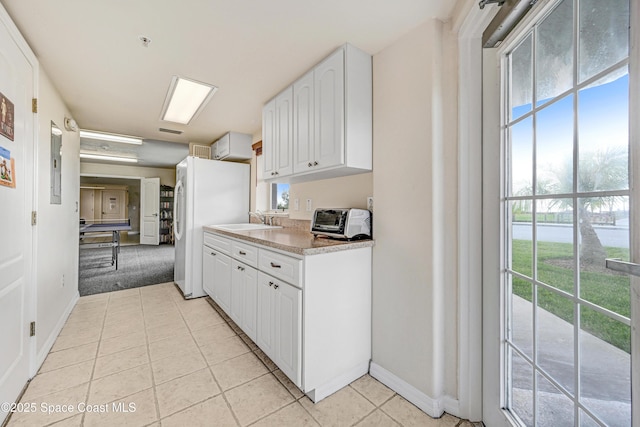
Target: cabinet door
(284, 119)
(222, 281)
(237, 292)
(214, 151)
(208, 266)
(303, 147)
(329, 111)
(268, 138)
(266, 315)
(223, 147)
(288, 330)
(249, 317)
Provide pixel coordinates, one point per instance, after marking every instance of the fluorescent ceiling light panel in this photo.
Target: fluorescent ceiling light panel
(102, 136)
(185, 100)
(108, 158)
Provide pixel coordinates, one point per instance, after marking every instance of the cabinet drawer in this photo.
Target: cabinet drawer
(218, 242)
(281, 266)
(245, 253)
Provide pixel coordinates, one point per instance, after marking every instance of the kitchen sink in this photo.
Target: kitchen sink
(244, 227)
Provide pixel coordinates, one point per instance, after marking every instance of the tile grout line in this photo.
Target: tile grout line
(375, 407)
(224, 397)
(90, 377)
(152, 387)
(6, 422)
(269, 371)
(153, 377)
(227, 319)
(95, 360)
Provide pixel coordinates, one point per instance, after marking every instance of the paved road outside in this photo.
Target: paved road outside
(614, 236)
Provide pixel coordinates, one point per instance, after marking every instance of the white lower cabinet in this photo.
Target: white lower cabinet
(310, 314)
(222, 281)
(280, 324)
(244, 283)
(208, 264)
(216, 276)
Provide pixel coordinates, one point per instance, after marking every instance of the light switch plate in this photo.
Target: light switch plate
(296, 204)
(309, 205)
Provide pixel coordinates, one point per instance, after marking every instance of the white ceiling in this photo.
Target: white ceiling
(250, 49)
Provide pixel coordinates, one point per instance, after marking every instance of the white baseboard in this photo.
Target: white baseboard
(46, 348)
(336, 384)
(451, 406)
(432, 407)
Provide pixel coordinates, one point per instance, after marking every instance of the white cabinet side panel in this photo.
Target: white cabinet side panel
(336, 339)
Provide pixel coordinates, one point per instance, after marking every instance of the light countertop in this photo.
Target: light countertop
(292, 240)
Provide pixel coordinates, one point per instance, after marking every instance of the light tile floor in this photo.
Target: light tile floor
(147, 357)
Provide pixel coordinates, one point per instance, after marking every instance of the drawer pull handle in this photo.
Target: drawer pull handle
(274, 265)
(213, 253)
(275, 286)
(242, 253)
(240, 268)
(270, 283)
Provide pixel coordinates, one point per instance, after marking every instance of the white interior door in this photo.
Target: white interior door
(558, 340)
(16, 198)
(113, 205)
(149, 211)
(87, 204)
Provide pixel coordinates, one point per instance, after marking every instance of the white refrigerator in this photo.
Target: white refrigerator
(207, 192)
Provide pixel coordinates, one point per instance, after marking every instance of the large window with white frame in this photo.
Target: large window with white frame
(566, 323)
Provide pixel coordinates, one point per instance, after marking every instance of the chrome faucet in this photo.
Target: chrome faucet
(261, 217)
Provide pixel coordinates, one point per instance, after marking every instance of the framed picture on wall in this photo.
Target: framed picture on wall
(7, 169)
(6, 117)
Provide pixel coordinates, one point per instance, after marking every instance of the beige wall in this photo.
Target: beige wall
(346, 192)
(414, 189)
(167, 175)
(57, 230)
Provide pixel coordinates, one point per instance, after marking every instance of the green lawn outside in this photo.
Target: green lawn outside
(605, 289)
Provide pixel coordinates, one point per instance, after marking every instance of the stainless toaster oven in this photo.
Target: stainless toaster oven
(342, 223)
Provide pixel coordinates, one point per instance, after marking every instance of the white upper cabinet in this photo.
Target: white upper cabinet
(277, 135)
(303, 123)
(329, 112)
(331, 116)
(269, 138)
(232, 146)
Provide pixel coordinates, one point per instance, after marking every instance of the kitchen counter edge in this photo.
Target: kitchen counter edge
(293, 240)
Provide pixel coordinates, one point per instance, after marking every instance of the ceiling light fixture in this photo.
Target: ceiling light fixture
(102, 136)
(185, 100)
(108, 158)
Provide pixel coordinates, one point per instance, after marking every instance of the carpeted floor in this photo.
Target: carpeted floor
(139, 265)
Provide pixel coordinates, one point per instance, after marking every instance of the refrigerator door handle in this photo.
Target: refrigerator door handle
(178, 196)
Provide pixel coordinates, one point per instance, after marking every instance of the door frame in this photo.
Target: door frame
(634, 208)
(30, 180)
(469, 27)
(143, 192)
(101, 175)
